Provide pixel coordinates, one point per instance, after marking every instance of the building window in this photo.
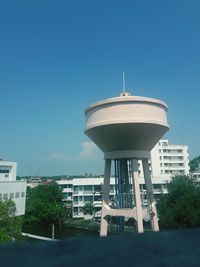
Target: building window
(76, 189)
(4, 171)
(0, 196)
(97, 188)
(97, 198)
(144, 187)
(156, 186)
(11, 195)
(87, 187)
(112, 188)
(22, 194)
(76, 210)
(17, 195)
(5, 196)
(63, 186)
(64, 195)
(75, 199)
(81, 199)
(88, 199)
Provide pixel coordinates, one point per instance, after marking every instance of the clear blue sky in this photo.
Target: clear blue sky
(57, 57)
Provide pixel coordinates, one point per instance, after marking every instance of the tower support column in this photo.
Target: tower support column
(105, 198)
(150, 196)
(135, 177)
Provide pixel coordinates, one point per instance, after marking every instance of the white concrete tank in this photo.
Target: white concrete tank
(126, 123)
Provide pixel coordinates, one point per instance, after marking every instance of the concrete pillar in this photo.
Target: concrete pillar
(105, 198)
(136, 185)
(150, 196)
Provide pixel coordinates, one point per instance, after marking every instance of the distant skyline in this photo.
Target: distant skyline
(58, 57)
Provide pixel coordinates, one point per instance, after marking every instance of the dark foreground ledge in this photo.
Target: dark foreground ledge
(170, 248)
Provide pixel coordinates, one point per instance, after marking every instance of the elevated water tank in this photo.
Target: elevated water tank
(126, 123)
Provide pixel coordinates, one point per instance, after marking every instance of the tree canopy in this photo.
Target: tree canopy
(194, 163)
(181, 206)
(88, 208)
(44, 204)
(10, 225)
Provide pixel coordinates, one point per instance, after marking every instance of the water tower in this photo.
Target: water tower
(126, 128)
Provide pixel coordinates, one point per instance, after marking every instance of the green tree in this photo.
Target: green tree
(181, 206)
(194, 163)
(45, 205)
(10, 225)
(89, 208)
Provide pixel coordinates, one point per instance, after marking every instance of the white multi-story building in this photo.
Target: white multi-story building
(10, 188)
(79, 191)
(166, 161)
(196, 173)
(169, 160)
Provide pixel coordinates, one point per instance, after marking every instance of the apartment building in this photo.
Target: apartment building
(166, 160)
(10, 188)
(196, 173)
(79, 191)
(169, 159)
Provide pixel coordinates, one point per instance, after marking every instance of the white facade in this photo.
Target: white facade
(10, 188)
(169, 159)
(196, 173)
(7, 171)
(83, 190)
(80, 191)
(166, 160)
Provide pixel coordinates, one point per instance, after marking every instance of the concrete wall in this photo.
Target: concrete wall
(10, 188)
(8, 171)
(16, 191)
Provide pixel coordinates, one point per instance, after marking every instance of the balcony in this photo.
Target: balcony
(157, 191)
(175, 161)
(97, 204)
(67, 190)
(88, 192)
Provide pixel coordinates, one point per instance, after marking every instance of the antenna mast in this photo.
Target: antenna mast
(123, 82)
